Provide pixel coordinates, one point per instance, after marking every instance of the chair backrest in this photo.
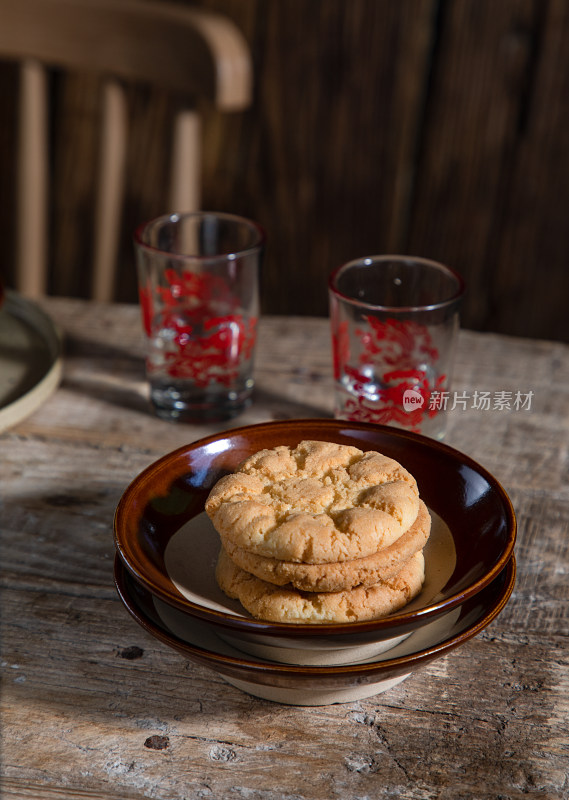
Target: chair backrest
(188, 52)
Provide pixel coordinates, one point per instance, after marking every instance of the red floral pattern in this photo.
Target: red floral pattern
(398, 343)
(206, 347)
(340, 348)
(393, 349)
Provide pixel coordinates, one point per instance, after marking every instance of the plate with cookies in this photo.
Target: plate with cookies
(315, 543)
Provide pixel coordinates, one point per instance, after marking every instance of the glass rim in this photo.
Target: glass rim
(366, 261)
(178, 216)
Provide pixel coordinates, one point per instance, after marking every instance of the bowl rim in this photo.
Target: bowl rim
(399, 619)
(487, 615)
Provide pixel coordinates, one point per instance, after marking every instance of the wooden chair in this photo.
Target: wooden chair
(189, 52)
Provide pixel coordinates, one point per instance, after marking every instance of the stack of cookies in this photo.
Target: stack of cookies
(319, 533)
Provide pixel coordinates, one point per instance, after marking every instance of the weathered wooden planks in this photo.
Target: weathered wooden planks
(93, 707)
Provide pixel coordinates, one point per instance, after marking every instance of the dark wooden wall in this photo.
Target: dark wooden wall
(431, 127)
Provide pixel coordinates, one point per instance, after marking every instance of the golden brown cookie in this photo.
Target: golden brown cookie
(285, 604)
(317, 503)
(341, 575)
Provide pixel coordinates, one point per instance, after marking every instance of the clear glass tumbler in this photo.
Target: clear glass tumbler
(394, 327)
(198, 276)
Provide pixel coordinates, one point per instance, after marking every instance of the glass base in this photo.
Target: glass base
(183, 402)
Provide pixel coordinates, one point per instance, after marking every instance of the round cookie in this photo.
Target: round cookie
(317, 503)
(341, 575)
(285, 604)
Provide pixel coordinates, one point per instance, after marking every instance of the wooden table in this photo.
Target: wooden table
(79, 712)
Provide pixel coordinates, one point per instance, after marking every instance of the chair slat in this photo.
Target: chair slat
(185, 178)
(110, 190)
(32, 237)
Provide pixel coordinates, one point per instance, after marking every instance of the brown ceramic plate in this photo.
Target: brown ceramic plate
(317, 685)
(167, 500)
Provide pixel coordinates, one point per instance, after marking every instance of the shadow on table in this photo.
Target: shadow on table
(110, 373)
(134, 397)
(116, 375)
(285, 408)
(102, 387)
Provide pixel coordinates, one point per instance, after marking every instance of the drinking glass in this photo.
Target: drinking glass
(394, 327)
(198, 288)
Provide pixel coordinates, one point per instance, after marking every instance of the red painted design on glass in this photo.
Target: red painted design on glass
(399, 343)
(389, 352)
(205, 346)
(340, 348)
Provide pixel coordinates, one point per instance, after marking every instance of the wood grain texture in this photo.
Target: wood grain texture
(437, 128)
(471, 131)
(94, 707)
(331, 138)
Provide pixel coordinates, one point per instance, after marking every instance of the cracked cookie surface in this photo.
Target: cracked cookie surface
(317, 503)
(342, 575)
(285, 604)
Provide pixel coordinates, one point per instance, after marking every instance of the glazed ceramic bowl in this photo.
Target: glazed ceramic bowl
(197, 640)
(165, 540)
